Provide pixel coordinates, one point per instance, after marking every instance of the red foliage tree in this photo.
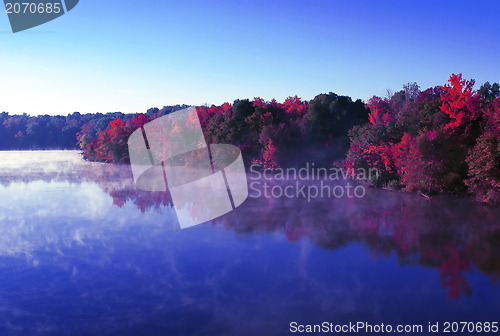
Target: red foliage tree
(270, 157)
(460, 102)
(403, 153)
(139, 121)
(112, 143)
(294, 106)
(379, 111)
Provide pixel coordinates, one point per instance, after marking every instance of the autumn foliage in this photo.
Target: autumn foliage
(443, 139)
(110, 145)
(275, 134)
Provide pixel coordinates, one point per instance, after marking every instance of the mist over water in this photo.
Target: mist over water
(82, 251)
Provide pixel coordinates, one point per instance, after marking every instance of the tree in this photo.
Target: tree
(489, 92)
(379, 111)
(460, 102)
(269, 157)
(414, 141)
(484, 169)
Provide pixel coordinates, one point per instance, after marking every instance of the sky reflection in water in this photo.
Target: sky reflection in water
(84, 252)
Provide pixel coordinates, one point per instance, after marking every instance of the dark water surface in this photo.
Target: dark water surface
(83, 252)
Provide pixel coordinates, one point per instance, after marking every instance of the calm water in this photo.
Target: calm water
(83, 252)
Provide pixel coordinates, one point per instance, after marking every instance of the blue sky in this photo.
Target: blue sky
(117, 55)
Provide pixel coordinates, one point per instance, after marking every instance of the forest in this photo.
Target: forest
(45, 132)
(441, 139)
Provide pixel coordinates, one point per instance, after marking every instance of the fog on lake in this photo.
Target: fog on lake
(83, 251)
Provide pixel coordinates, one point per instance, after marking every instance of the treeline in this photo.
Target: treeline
(40, 132)
(271, 133)
(443, 139)
(25, 132)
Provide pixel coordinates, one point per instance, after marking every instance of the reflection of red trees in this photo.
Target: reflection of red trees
(449, 234)
(450, 274)
(143, 200)
(117, 181)
(294, 233)
(441, 233)
(486, 258)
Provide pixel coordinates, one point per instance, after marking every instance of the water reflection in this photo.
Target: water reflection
(452, 234)
(28, 166)
(82, 251)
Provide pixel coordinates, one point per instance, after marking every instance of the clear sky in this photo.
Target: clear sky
(123, 55)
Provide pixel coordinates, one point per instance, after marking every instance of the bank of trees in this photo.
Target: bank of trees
(441, 139)
(25, 132)
(40, 132)
(270, 133)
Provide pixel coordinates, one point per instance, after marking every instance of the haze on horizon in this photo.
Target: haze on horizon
(108, 56)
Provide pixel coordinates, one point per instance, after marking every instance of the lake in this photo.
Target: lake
(83, 252)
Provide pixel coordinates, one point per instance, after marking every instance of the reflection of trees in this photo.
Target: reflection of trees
(451, 234)
(118, 182)
(450, 273)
